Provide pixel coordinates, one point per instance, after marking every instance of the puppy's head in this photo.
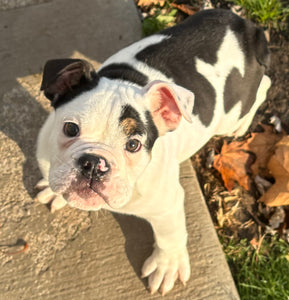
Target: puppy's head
(104, 131)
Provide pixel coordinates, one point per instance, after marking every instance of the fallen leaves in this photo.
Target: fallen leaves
(185, 8)
(234, 163)
(239, 160)
(278, 193)
(151, 2)
(262, 144)
(261, 155)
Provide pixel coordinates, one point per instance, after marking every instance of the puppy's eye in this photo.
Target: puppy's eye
(133, 145)
(71, 129)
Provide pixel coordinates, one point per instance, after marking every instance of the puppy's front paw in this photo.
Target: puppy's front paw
(46, 195)
(164, 267)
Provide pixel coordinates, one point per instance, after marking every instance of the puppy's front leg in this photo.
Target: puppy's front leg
(45, 194)
(169, 260)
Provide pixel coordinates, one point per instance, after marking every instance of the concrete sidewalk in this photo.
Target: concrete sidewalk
(74, 254)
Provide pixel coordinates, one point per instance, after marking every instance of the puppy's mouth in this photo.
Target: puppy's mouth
(93, 183)
(95, 187)
(94, 195)
(87, 194)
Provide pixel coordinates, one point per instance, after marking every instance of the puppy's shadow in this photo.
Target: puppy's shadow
(21, 118)
(138, 241)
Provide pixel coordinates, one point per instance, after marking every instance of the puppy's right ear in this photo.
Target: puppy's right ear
(169, 102)
(62, 78)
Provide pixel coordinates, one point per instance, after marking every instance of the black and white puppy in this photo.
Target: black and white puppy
(117, 136)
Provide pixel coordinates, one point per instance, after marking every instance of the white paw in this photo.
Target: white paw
(164, 267)
(46, 195)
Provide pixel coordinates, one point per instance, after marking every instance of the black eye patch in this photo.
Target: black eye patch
(131, 122)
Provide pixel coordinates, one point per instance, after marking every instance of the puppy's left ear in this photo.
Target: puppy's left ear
(168, 103)
(64, 76)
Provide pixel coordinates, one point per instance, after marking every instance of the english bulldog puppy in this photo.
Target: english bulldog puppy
(116, 137)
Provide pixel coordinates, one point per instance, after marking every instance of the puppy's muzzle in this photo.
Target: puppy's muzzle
(93, 167)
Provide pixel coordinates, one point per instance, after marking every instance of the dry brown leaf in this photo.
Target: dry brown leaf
(151, 2)
(233, 163)
(240, 159)
(278, 165)
(262, 144)
(187, 9)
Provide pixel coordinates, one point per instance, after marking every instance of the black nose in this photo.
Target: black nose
(93, 167)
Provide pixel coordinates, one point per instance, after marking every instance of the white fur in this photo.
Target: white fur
(149, 181)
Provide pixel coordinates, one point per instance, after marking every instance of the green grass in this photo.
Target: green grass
(263, 274)
(161, 18)
(158, 22)
(268, 13)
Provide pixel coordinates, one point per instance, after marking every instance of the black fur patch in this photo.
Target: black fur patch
(242, 89)
(83, 86)
(124, 72)
(232, 95)
(64, 79)
(204, 99)
(138, 127)
(128, 112)
(152, 131)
